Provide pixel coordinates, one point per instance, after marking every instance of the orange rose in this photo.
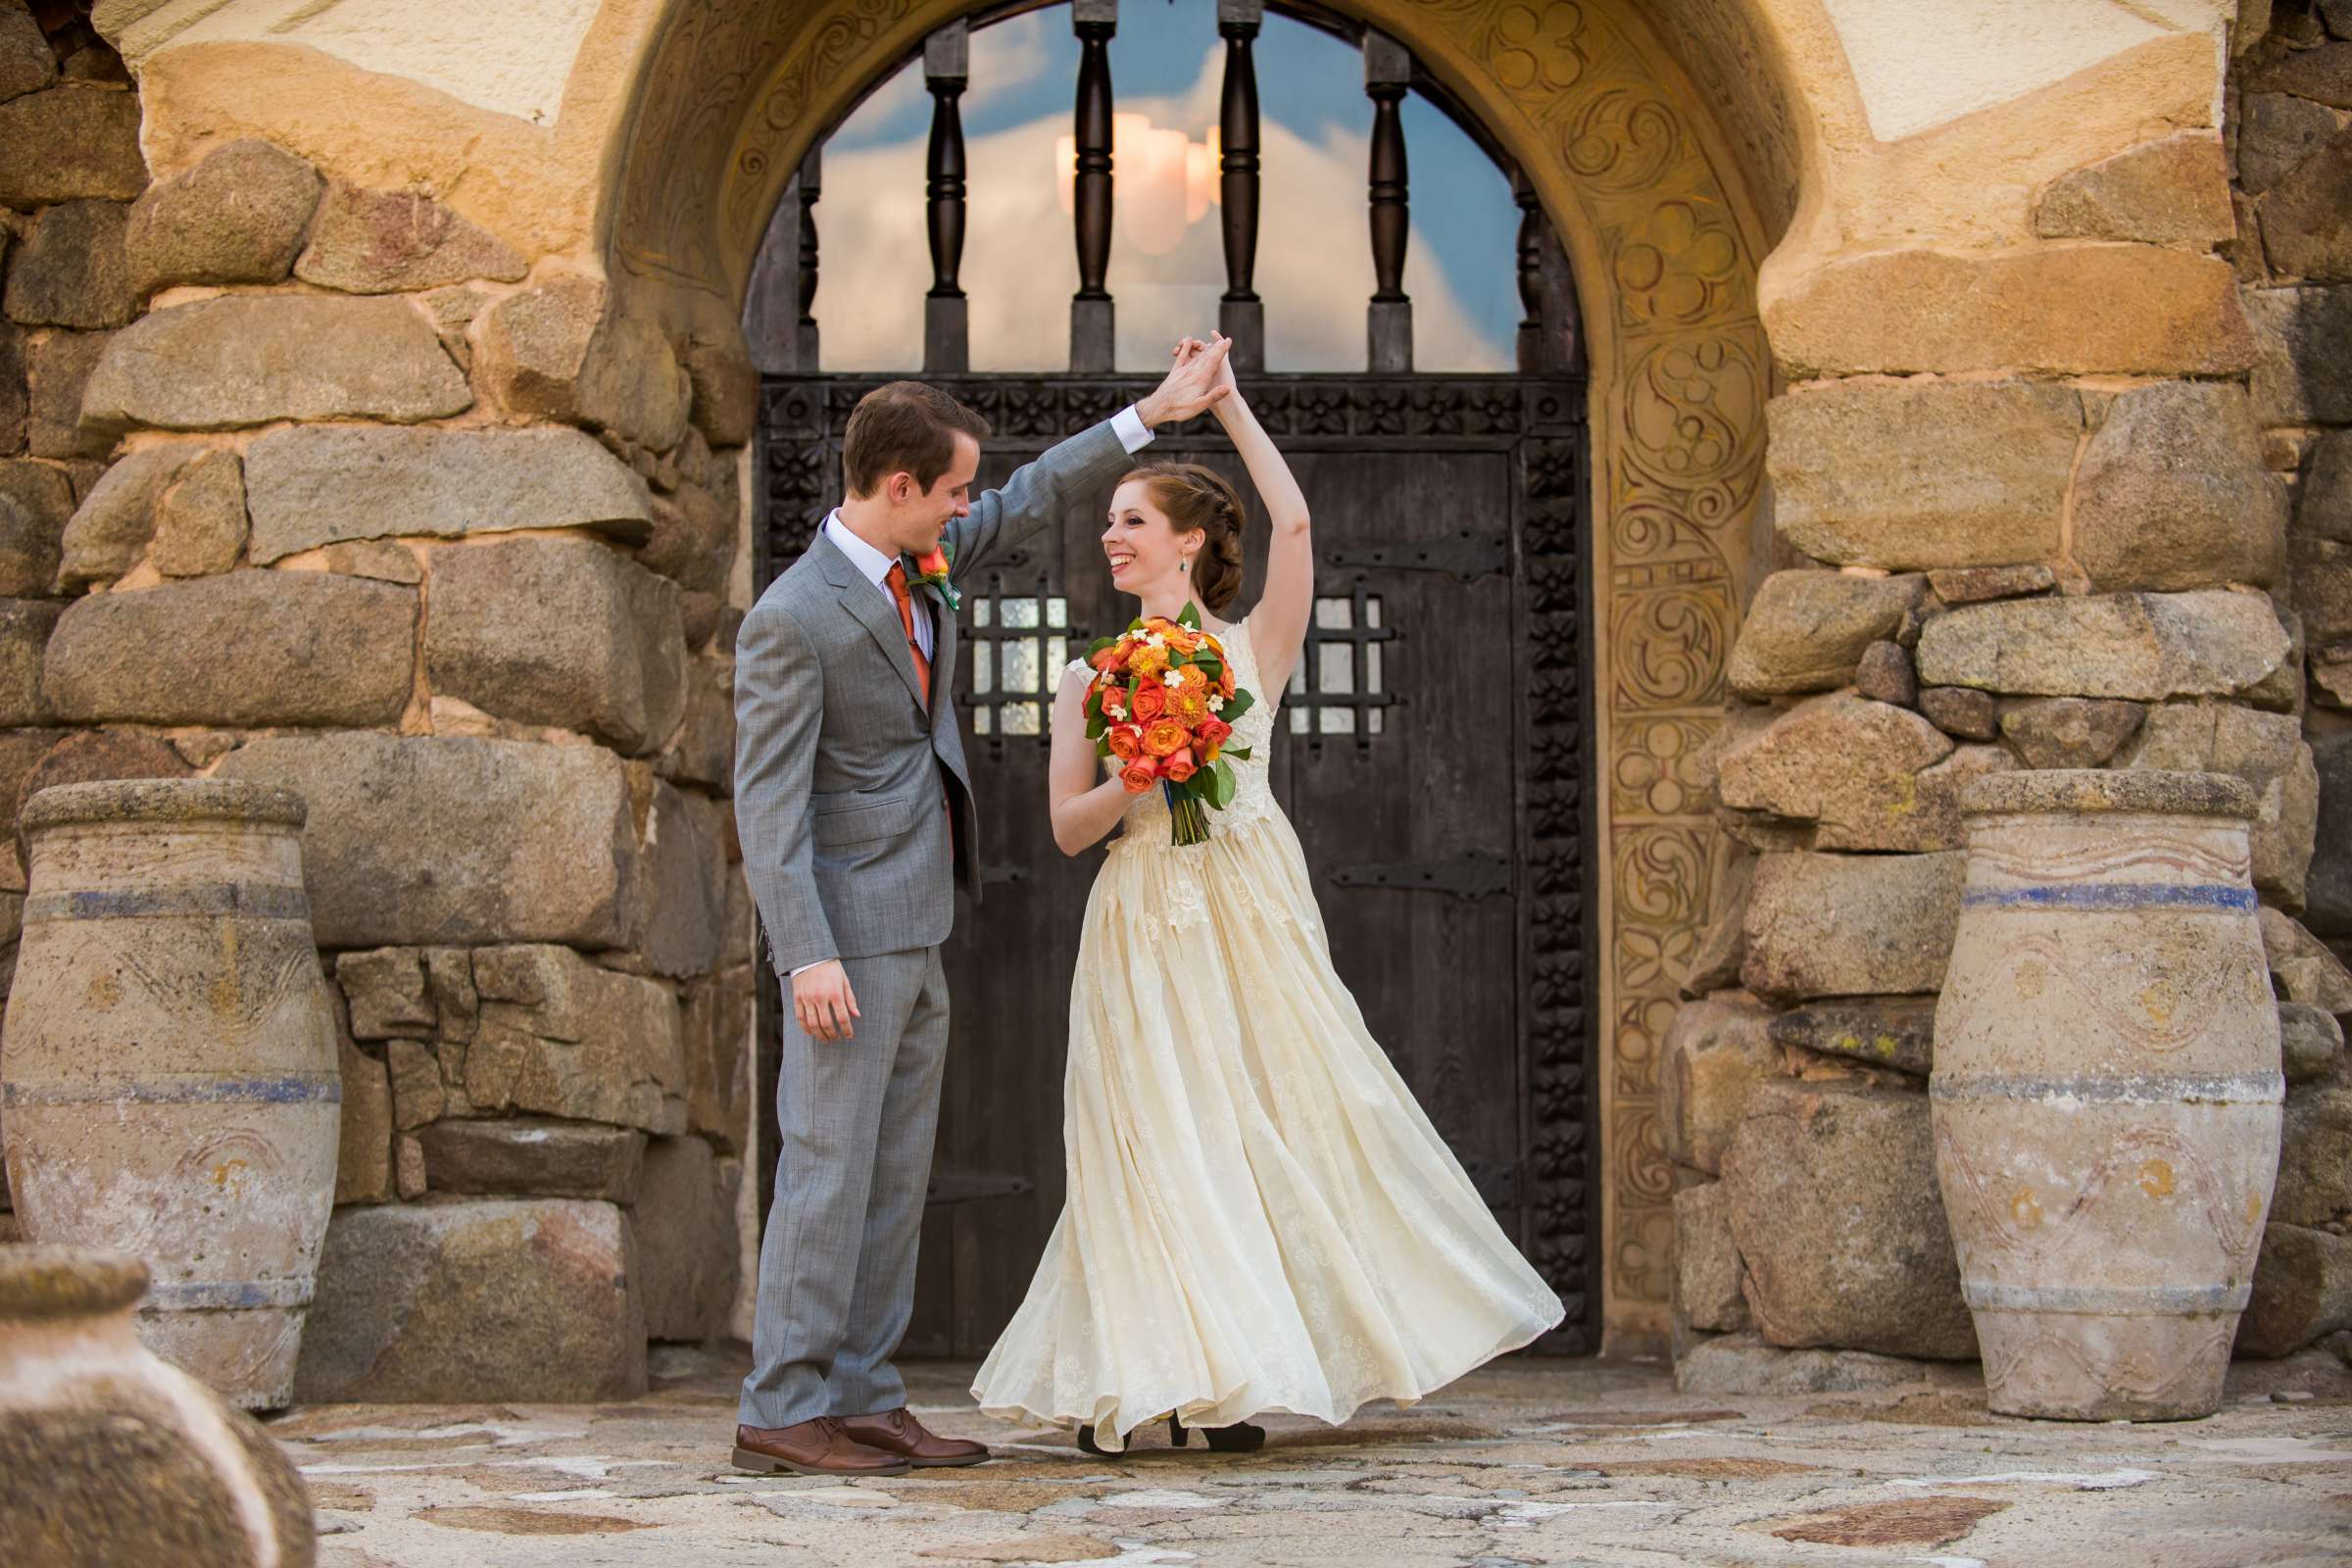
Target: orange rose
(1151, 702)
(1225, 685)
(1165, 737)
(1180, 765)
(1141, 775)
(1184, 640)
(1192, 678)
(1212, 732)
(1110, 658)
(1114, 701)
(1125, 742)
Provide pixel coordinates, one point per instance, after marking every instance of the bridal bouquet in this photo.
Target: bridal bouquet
(1163, 701)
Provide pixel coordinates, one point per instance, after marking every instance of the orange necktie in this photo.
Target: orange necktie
(896, 583)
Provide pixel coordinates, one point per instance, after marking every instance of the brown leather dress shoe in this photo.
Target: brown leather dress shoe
(818, 1447)
(898, 1431)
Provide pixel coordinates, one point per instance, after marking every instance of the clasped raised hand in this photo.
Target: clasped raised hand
(1198, 381)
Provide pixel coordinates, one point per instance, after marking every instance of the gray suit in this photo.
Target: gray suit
(854, 809)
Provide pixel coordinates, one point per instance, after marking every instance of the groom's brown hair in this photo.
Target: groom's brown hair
(904, 425)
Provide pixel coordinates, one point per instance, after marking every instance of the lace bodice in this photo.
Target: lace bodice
(1146, 818)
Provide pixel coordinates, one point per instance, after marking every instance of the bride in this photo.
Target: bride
(1259, 1216)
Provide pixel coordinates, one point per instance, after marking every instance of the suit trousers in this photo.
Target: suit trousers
(856, 1119)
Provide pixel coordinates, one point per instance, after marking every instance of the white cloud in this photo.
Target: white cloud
(1314, 260)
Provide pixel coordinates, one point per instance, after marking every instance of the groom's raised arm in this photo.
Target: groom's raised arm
(780, 698)
(1041, 491)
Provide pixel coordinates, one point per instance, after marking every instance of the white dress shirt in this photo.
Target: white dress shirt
(873, 565)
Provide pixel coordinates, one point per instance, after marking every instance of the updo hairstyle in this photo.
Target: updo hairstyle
(1197, 497)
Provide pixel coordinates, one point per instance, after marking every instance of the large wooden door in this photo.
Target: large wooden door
(1432, 757)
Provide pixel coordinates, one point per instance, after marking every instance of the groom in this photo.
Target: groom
(854, 809)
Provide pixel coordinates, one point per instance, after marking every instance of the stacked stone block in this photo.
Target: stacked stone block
(2024, 523)
(347, 494)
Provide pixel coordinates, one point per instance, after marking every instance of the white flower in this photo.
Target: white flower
(1171, 679)
(1155, 639)
(1216, 705)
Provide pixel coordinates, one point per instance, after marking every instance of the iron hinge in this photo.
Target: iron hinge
(1466, 553)
(1474, 874)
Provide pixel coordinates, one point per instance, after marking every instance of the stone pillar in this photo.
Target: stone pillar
(440, 532)
(2027, 514)
(70, 170)
(2292, 137)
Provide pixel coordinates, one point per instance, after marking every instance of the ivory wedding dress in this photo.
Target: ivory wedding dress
(1259, 1216)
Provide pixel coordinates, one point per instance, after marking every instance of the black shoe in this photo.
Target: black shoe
(1086, 1441)
(1238, 1438)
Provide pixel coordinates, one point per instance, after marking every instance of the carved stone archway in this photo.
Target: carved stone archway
(1666, 228)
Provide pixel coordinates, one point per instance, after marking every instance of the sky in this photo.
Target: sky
(1314, 261)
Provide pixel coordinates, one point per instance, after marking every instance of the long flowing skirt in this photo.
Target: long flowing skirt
(1260, 1215)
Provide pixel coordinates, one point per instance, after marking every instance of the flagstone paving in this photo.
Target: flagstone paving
(1576, 1463)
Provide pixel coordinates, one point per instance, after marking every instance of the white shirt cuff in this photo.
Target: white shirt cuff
(1134, 433)
(805, 967)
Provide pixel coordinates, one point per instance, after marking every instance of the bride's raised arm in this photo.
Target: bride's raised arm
(1278, 623)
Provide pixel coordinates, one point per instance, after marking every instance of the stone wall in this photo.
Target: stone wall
(2058, 502)
(322, 483)
(2291, 139)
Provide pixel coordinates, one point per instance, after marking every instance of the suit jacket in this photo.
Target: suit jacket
(839, 770)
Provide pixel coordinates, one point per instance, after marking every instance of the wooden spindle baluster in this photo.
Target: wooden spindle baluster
(1240, 315)
(1552, 335)
(772, 305)
(947, 314)
(1529, 255)
(813, 185)
(1388, 72)
(1092, 327)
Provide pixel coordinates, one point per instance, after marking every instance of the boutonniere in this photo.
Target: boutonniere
(933, 569)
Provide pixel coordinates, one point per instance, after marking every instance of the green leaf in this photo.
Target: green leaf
(1096, 726)
(1236, 706)
(1225, 786)
(1098, 645)
(1242, 752)
(1210, 667)
(1189, 616)
(1137, 624)
(1101, 748)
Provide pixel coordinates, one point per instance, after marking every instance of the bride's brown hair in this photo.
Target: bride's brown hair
(1197, 497)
